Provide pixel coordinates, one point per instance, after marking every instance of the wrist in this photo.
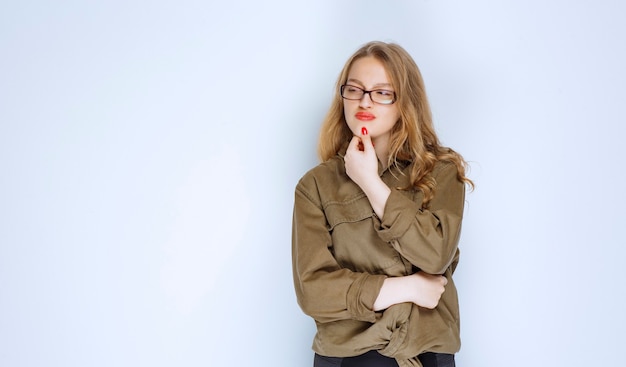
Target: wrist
(377, 193)
(395, 290)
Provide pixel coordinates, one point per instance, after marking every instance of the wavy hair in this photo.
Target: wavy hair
(413, 137)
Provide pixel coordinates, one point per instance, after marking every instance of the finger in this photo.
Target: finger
(354, 143)
(366, 139)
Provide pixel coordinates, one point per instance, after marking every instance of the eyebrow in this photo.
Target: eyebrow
(379, 85)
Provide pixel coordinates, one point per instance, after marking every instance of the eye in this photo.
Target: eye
(351, 88)
(384, 93)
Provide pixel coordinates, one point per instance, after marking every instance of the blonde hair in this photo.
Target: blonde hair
(413, 137)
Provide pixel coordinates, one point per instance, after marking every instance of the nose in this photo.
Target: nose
(366, 100)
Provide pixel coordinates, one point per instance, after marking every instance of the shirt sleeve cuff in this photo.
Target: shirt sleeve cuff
(362, 295)
(400, 212)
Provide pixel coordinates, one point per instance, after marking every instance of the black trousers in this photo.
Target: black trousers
(375, 359)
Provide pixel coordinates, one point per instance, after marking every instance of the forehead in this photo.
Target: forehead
(368, 71)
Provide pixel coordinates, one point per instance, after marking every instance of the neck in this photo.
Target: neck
(381, 146)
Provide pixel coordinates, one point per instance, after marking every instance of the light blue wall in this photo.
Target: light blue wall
(149, 151)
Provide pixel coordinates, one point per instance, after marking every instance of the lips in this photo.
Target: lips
(364, 116)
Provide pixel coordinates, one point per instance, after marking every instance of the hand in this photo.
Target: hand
(420, 288)
(361, 161)
(361, 164)
(427, 289)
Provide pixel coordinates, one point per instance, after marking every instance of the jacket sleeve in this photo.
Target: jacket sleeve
(326, 291)
(428, 238)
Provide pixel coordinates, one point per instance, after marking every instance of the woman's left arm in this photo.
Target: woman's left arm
(428, 238)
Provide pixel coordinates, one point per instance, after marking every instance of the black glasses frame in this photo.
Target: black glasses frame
(369, 92)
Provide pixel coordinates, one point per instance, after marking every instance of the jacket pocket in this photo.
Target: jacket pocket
(355, 242)
(349, 211)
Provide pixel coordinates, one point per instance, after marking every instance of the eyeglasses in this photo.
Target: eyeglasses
(381, 96)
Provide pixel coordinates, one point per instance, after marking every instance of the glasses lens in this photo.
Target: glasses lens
(351, 92)
(383, 96)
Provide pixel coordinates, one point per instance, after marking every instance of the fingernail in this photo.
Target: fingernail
(363, 130)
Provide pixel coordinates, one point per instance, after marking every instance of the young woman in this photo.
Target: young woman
(376, 225)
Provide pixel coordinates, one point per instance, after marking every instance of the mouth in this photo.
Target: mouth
(364, 116)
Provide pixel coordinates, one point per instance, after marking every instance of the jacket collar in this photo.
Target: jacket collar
(402, 164)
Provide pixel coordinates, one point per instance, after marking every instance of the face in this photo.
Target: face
(369, 74)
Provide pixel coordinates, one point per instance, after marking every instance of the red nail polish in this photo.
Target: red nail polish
(363, 130)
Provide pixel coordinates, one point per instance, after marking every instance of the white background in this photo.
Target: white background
(149, 151)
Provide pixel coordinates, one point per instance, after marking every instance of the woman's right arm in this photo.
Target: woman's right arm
(420, 288)
(324, 290)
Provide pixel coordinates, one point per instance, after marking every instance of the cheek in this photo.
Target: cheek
(347, 107)
(345, 111)
(394, 113)
(348, 113)
(392, 116)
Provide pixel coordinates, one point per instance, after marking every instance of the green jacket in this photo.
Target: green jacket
(342, 252)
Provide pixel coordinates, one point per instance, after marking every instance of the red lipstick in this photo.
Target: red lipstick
(364, 116)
